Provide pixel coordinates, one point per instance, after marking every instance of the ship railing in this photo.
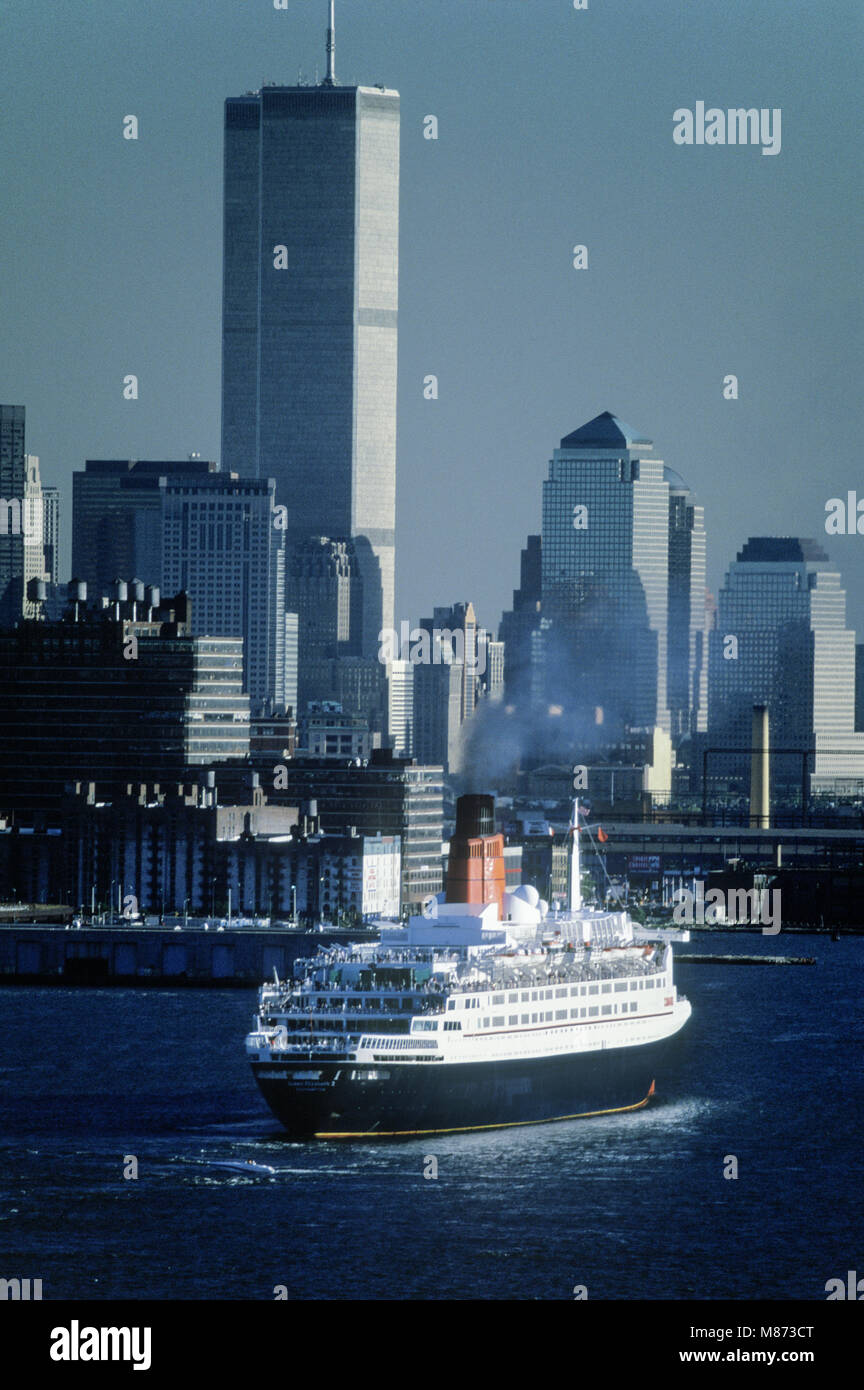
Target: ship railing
(314, 1044)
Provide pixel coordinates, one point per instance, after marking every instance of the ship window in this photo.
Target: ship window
(497, 998)
(621, 987)
(606, 989)
(633, 1007)
(498, 1022)
(560, 1013)
(561, 993)
(525, 1018)
(548, 1016)
(581, 1013)
(548, 994)
(533, 994)
(592, 1013)
(607, 1009)
(484, 1023)
(592, 989)
(512, 998)
(574, 1013)
(514, 1018)
(525, 997)
(533, 1018)
(451, 1003)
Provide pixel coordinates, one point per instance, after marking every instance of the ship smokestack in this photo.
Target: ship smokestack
(760, 771)
(475, 871)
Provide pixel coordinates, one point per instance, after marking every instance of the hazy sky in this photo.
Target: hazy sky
(555, 128)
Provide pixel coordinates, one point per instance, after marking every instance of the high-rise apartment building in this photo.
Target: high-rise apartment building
(782, 641)
(310, 289)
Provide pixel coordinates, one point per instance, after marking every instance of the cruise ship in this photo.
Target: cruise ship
(489, 1010)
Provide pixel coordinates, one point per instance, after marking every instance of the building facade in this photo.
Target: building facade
(220, 545)
(687, 647)
(124, 693)
(605, 581)
(310, 300)
(51, 527)
(13, 515)
(389, 795)
(782, 641)
(117, 517)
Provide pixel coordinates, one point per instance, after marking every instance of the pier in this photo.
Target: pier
(216, 957)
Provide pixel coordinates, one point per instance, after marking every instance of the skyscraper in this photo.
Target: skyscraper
(310, 288)
(456, 630)
(782, 641)
(687, 649)
(34, 532)
(400, 689)
(51, 527)
(438, 710)
(117, 517)
(13, 518)
(520, 624)
(124, 694)
(605, 572)
(220, 545)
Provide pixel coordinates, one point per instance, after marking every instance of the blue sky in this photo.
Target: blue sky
(555, 128)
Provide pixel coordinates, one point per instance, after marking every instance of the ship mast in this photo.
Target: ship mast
(575, 903)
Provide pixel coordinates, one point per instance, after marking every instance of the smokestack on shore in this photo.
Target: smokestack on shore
(760, 771)
(475, 869)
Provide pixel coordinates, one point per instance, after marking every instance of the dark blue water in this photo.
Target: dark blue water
(631, 1206)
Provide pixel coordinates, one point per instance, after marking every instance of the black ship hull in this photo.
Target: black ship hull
(344, 1100)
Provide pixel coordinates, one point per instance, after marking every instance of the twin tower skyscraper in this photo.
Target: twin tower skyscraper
(310, 303)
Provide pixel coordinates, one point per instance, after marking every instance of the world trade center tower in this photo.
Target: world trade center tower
(309, 314)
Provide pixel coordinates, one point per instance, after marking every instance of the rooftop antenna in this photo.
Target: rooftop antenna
(330, 79)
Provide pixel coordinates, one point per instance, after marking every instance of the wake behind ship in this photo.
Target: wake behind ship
(489, 1011)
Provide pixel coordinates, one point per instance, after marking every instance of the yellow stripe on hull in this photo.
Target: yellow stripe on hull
(470, 1129)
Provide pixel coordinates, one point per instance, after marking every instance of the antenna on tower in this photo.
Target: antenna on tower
(330, 79)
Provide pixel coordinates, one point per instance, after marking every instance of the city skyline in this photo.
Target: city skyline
(472, 226)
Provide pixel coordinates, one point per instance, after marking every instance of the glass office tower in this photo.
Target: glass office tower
(605, 571)
(310, 285)
(782, 641)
